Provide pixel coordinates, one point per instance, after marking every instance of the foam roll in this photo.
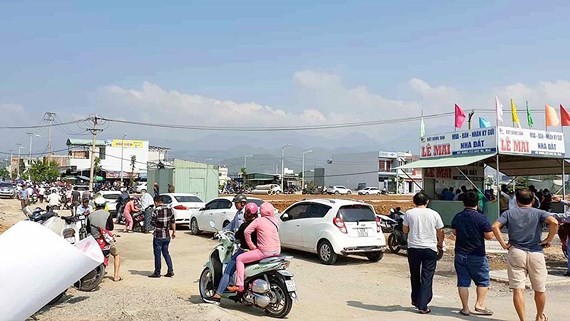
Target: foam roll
(37, 265)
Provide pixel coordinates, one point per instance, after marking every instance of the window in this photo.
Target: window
(111, 196)
(188, 199)
(166, 199)
(357, 213)
(224, 204)
(298, 211)
(212, 205)
(6, 185)
(318, 211)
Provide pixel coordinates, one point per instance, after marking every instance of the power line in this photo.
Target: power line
(41, 126)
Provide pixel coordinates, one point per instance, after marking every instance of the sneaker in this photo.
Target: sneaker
(212, 300)
(154, 275)
(169, 274)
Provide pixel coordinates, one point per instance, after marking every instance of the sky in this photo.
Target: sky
(278, 63)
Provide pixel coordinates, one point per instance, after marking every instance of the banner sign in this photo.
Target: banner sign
(519, 141)
(128, 143)
(476, 141)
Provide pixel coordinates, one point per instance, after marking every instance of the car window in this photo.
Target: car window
(111, 196)
(224, 204)
(298, 211)
(187, 199)
(212, 205)
(318, 211)
(166, 199)
(356, 213)
(5, 185)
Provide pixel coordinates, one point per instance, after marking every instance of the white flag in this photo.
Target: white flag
(499, 108)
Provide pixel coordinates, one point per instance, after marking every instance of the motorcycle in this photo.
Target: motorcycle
(72, 229)
(268, 285)
(138, 221)
(398, 240)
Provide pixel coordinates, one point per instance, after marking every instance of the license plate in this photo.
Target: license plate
(290, 285)
(362, 232)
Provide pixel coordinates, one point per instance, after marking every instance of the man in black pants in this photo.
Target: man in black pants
(425, 237)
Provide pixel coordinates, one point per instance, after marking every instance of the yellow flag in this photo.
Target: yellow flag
(516, 120)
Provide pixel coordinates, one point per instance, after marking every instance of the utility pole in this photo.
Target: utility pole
(94, 130)
(283, 168)
(49, 117)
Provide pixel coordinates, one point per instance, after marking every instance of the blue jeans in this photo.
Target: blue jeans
(472, 267)
(422, 263)
(230, 270)
(161, 246)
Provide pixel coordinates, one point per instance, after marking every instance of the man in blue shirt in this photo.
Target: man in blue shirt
(239, 200)
(471, 228)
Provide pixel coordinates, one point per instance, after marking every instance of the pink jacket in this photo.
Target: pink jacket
(267, 228)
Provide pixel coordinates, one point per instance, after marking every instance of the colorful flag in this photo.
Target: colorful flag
(551, 116)
(529, 119)
(422, 127)
(499, 110)
(564, 116)
(459, 116)
(516, 120)
(483, 123)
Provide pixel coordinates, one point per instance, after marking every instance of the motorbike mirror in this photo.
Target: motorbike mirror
(212, 225)
(391, 210)
(398, 209)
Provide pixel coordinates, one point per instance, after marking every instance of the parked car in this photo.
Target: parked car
(140, 186)
(331, 228)
(7, 190)
(183, 205)
(338, 189)
(221, 210)
(369, 191)
(111, 197)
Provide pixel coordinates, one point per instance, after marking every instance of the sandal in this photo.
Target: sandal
(544, 317)
(118, 280)
(483, 311)
(464, 313)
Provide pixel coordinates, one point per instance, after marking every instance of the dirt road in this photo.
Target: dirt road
(353, 289)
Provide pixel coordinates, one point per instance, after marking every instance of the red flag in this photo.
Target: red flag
(459, 116)
(564, 116)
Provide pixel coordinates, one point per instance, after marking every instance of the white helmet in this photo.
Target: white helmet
(100, 201)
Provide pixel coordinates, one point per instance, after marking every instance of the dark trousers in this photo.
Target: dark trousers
(161, 246)
(147, 216)
(422, 264)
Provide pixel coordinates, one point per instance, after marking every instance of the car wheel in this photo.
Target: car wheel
(194, 229)
(375, 256)
(367, 193)
(337, 193)
(348, 193)
(326, 253)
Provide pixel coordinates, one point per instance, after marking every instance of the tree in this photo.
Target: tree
(44, 170)
(97, 165)
(4, 173)
(133, 166)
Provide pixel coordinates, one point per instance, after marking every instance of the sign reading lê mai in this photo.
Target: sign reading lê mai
(476, 141)
(530, 142)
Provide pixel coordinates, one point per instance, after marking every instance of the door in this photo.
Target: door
(312, 225)
(290, 229)
(222, 213)
(204, 217)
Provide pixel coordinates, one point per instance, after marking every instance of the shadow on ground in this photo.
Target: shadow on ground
(138, 272)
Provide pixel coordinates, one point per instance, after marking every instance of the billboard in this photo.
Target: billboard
(128, 143)
(519, 141)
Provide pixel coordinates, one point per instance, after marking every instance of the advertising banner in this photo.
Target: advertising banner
(128, 143)
(469, 142)
(519, 141)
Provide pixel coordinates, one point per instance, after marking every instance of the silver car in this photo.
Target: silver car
(7, 190)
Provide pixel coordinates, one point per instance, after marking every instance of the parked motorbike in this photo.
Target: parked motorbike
(398, 240)
(138, 221)
(268, 285)
(72, 229)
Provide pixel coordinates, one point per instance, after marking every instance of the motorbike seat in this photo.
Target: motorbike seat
(273, 259)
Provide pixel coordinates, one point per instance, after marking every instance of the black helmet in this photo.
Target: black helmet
(239, 198)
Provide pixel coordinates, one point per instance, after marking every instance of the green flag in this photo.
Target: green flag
(529, 117)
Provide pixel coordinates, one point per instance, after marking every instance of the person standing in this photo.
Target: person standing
(23, 196)
(471, 228)
(525, 255)
(41, 193)
(170, 188)
(425, 237)
(147, 205)
(102, 219)
(163, 221)
(130, 208)
(564, 228)
(155, 189)
(75, 195)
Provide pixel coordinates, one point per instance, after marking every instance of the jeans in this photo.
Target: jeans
(472, 267)
(147, 216)
(422, 264)
(161, 246)
(230, 269)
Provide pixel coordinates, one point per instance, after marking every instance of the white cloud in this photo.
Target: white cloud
(440, 93)
(545, 92)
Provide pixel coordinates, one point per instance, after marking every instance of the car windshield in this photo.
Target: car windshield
(187, 199)
(6, 185)
(111, 196)
(357, 213)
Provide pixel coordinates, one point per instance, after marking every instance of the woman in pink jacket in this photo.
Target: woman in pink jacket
(268, 243)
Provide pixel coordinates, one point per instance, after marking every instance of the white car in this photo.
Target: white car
(140, 186)
(369, 191)
(331, 228)
(183, 205)
(338, 189)
(220, 210)
(111, 197)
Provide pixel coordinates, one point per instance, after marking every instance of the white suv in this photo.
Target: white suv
(331, 228)
(338, 189)
(369, 191)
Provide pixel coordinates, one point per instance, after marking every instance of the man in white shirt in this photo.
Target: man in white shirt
(425, 238)
(147, 205)
(84, 208)
(53, 201)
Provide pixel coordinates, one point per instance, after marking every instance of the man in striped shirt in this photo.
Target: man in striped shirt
(163, 221)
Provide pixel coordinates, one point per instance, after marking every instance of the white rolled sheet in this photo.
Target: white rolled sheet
(36, 265)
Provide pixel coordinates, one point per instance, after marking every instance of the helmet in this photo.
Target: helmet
(239, 198)
(251, 208)
(100, 201)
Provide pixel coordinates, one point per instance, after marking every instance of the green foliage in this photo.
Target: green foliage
(4, 173)
(44, 170)
(133, 165)
(97, 165)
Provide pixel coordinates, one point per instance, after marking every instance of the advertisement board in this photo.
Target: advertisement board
(520, 141)
(469, 142)
(128, 143)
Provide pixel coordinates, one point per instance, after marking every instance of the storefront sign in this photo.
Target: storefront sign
(520, 141)
(128, 143)
(476, 141)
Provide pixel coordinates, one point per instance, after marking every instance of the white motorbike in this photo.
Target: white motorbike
(268, 285)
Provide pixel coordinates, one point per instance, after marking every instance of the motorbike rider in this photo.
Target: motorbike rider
(121, 202)
(268, 243)
(239, 200)
(84, 208)
(53, 200)
(101, 219)
(250, 215)
(131, 208)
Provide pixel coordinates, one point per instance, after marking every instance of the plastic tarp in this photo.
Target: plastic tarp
(38, 265)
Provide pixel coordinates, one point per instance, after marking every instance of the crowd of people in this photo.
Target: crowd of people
(524, 219)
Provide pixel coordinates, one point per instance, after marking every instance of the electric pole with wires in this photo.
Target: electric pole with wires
(95, 121)
(49, 117)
